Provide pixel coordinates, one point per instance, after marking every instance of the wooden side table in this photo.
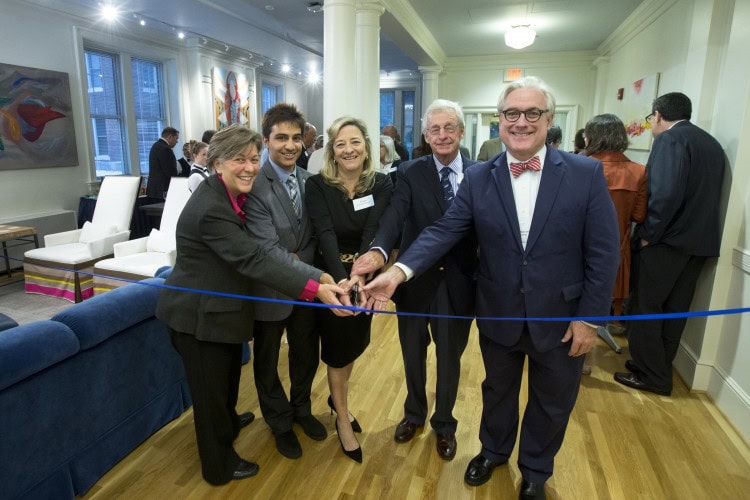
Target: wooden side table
(19, 235)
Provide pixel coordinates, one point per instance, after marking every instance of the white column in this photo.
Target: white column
(430, 76)
(339, 88)
(367, 49)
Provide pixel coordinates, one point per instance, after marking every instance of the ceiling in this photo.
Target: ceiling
(413, 32)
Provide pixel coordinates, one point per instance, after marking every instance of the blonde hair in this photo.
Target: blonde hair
(330, 171)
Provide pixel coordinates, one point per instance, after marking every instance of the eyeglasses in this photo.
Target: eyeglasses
(649, 116)
(532, 115)
(448, 129)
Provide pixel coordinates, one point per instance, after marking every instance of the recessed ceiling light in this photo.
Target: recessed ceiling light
(142, 22)
(180, 35)
(270, 7)
(109, 12)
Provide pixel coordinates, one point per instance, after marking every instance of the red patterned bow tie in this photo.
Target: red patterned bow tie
(533, 164)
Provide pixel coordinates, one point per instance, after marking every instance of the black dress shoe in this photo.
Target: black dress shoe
(246, 418)
(245, 469)
(355, 454)
(405, 431)
(312, 427)
(288, 445)
(479, 470)
(355, 425)
(446, 445)
(634, 380)
(531, 491)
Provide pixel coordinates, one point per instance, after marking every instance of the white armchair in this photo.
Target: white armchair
(141, 258)
(54, 269)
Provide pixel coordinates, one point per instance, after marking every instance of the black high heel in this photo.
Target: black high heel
(355, 455)
(355, 424)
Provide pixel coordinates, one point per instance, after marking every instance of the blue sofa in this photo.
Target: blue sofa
(82, 390)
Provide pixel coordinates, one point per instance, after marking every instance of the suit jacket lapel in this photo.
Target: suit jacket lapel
(432, 182)
(281, 194)
(502, 181)
(302, 186)
(552, 175)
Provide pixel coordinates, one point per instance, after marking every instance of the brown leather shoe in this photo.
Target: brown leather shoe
(446, 446)
(405, 431)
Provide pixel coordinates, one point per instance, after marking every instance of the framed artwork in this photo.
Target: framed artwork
(36, 119)
(231, 98)
(635, 105)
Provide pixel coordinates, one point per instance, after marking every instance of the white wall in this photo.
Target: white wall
(34, 191)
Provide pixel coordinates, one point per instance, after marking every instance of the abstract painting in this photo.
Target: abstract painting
(231, 97)
(635, 105)
(36, 119)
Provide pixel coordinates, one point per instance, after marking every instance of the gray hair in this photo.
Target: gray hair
(528, 82)
(442, 105)
(230, 142)
(390, 149)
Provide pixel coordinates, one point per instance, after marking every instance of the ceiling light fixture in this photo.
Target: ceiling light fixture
(315, 7)
(180, 35)
(286, 68)
(109, 12)
(519, 37)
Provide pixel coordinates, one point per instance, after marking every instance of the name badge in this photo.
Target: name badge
(364, 202)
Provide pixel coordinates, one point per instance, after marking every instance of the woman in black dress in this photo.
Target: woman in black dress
(345, 202)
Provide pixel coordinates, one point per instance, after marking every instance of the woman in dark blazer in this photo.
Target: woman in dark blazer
(345, 202)
(215, 254)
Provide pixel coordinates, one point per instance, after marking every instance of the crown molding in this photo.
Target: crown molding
(641, 18)
(525, 60)
(407, 16)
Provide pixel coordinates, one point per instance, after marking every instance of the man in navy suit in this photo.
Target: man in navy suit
(162, 164)
(682, 229)
(425, 189)
(548, 248)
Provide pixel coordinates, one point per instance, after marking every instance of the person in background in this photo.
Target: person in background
(389, 159)
(424, 192)
(345, 202)
(187, 158)
(554, 136)
(579, 143)
(682, 229)
(606, 140)
(490, 149)
(422, 150)
(162, 165)
(207, 135)
(199, 170)
(215, 254)
(392, 132)
(308, 145)
(278, 221)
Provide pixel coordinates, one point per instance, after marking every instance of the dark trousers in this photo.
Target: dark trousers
(663, 282)
(554, 379)
(213, 374)
(304, 353)
(450, 337)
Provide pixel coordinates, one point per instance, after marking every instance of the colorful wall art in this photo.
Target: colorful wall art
(635, 105)
(36, 119)
(231, 97)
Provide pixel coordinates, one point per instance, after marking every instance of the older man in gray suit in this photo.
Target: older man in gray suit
(276, 219)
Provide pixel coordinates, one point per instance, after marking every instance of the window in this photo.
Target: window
(270, 95)
(108, 99)
(106, 115)
(398, 107)
(149, 106)
(407, 135)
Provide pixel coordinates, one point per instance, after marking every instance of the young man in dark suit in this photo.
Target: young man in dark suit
(277, 220)
(682, 229)
(425, 188)
(548, 248)
(162, 164)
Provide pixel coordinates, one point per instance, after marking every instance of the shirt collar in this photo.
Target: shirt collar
(237, 203)
(542, 154)
(457, 165)
(282, 173)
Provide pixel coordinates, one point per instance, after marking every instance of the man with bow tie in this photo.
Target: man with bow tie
(548, 248)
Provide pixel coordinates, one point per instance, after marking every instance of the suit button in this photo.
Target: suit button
(522, 291)
(525, 262)
(441, 268)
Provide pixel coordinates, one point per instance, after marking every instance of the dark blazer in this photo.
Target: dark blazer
(417, 202)
(571, 256)
(272, 223)
(685, 171)
(162, 166)
(184, 167)
(304, 157)
(403, 153)
(215, 253)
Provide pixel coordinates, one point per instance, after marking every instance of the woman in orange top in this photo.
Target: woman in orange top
(606, 140)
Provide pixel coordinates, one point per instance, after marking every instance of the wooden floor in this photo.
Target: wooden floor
(620, 444)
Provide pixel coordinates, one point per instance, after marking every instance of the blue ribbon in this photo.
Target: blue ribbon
(633, 317)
